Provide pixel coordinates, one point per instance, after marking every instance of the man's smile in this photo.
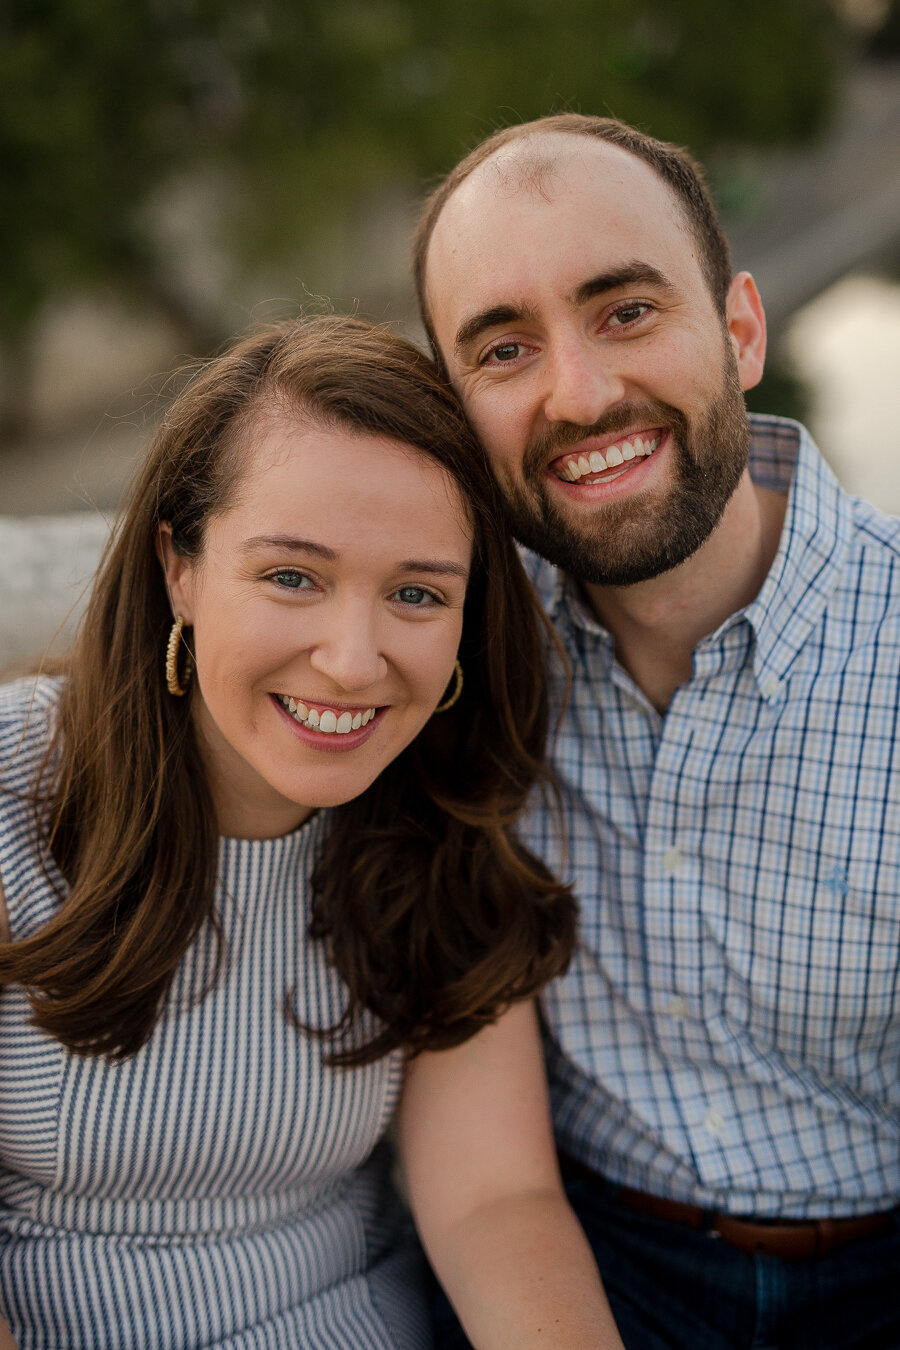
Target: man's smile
(593, 465)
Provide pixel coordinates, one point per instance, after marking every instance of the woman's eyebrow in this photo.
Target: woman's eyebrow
(438, 566)
(289, 541)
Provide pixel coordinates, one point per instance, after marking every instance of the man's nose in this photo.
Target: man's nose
(582, 385)
(348, 651)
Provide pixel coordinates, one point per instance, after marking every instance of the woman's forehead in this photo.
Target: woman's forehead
(349, 485)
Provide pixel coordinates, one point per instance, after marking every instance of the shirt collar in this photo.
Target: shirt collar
(814, 542)
(566, 604)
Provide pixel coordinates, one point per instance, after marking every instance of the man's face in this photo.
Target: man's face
(579, 330)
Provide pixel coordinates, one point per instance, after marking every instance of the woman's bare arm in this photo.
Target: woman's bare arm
(477, 1148)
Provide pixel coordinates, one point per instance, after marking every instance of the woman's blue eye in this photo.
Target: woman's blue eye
(292, 581)
(413, 595)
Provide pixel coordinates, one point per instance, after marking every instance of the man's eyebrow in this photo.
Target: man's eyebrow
(630, 274)
(479, 323)
(288, 541)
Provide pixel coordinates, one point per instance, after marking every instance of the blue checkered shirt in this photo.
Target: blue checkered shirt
(729, 1030)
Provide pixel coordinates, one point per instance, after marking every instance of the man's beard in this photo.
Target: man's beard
(632, 539)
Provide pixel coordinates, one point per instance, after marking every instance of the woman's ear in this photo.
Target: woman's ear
(178, 572)
(746, 320)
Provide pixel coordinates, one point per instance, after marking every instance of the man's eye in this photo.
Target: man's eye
(508, 351)
(628, 315)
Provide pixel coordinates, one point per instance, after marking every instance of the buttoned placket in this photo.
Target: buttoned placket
(675, 898)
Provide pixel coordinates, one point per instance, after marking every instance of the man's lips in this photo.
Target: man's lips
(607, 455)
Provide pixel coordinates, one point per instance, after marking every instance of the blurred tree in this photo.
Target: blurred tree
(884, 41)
(304, 108)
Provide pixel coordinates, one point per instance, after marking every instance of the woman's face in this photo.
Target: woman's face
(335, 580)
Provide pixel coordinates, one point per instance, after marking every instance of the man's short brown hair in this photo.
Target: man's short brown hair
(674, 165)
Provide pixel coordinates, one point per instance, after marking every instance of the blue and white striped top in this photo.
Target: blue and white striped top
(729, 1031)
(222, 1188)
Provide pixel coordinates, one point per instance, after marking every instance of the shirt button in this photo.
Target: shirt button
(677, 1007)
(672, 860)
(772, 687)
(714, 1124)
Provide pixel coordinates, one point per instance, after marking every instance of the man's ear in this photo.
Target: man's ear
(746, 321)
(178, 572)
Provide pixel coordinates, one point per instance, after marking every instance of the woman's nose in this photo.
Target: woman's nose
(348, 653)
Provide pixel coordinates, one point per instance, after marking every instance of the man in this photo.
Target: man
(724, 1051)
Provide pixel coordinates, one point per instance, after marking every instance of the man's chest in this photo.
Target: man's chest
(737, 863)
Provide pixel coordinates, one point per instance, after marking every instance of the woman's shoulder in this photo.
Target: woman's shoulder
(27, 711)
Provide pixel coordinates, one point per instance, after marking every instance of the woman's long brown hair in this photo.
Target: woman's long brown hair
(434, 915)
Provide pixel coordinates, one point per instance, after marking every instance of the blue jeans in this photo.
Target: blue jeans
(675, 1288)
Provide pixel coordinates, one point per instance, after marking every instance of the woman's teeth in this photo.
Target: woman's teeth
(329, 721)
(579, 466)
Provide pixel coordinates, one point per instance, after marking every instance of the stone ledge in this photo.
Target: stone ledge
(46, 563)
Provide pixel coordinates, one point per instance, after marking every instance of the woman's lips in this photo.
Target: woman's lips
(328, 720)
(324, 739)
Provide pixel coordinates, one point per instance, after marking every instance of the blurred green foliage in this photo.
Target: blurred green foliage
(780, 391)
(306, 106)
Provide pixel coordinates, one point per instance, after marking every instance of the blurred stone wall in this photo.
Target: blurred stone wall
(46, 563)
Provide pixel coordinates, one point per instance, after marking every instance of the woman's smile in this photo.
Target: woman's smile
(324, 718)
(326, 728)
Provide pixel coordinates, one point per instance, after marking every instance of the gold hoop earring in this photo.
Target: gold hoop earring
(457, 690)
(173, 684)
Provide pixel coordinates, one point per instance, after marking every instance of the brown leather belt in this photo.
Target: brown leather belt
(792, 1240)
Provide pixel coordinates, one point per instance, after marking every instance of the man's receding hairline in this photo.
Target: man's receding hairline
(531, 170)
(523, 165)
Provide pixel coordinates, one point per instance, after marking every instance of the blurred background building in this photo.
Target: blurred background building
(173, 170)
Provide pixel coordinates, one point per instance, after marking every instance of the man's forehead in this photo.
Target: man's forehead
(543, 166)
(478, 223)
(533, 163)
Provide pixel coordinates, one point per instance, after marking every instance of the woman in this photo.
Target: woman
(256, 854)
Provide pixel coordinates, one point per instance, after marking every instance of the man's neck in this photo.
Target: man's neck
(657, 624)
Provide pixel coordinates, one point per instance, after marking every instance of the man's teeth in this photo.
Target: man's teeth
(579, 466)
(329, 721)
